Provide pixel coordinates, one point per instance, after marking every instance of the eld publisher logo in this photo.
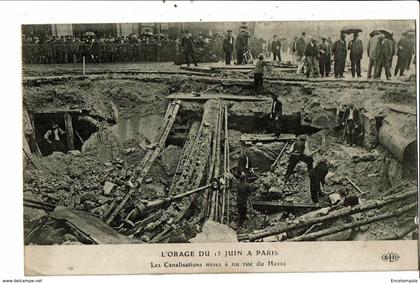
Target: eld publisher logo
(390, 257)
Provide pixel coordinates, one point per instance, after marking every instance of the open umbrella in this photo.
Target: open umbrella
(411, 33)
(89, 33)
(388, 35)
(350, 29)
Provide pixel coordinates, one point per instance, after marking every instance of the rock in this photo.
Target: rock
(335, 198)
(275, 238)
(129, 150)
(89, 205)
(148, 180)
(214, 232)
(108, 186)
(74, 152)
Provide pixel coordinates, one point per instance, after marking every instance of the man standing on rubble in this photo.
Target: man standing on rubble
(340, 52)
(317, 178)
(244, 189)
(356, 52)
(276, 48)
(228, 46)
(56, 143)
(371, 47)
(276, 114)
(351, 125)
(324, 50)
(298, 152)
(403, 54)
(241, 45)
(259, 75)
(188, 45)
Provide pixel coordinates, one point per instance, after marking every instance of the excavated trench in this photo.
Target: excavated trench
(138, 111)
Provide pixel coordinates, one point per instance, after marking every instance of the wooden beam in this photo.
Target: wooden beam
(266, 137)
(69, 131)
(189, 96)
(273, 205)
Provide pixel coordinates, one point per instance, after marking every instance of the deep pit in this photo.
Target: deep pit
(119, 124)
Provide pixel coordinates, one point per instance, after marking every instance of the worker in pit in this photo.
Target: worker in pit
(298, 152)
(244, 164)
(317, 179)
(56, 141)
(259, 74)
(351, 125)
(276, 114)
(244, 190)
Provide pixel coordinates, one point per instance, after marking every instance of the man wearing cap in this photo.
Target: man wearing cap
(276, 114)
(340, 53)
(298, 152)
(188, 45)
(311, 54)
(259, 75)
(371, 47)
(356, 51)
(228, 42)
(351, 124)
(276, 48)
(324, 50)
(383, 54)
(300, 53)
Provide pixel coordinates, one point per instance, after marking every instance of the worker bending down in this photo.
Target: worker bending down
(298, 152)
(317, 178)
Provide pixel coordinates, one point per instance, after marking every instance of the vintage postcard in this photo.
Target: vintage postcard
(220, 147)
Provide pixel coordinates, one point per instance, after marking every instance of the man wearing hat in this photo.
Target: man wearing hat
(371, 47)
(228, 42)
(276, 114)
(56, 143)
(324, 50)
(317, 178)
(298, 152)
(383, 55)
(300, 53)
(356, 51)
(188, 45)
(311, 54)
(259, 75)
(241, 45)
(403, 53)
(340, 53)
(276, 48)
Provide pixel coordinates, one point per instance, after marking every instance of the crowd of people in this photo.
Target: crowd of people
(314, 58)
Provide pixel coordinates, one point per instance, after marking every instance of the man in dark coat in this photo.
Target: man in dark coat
(228, 42)
(276, 115)
(244, 164)
(244, 190)
(298, 152)
(311, 54)
(241, 45)
(276, 48)
(340, 53)
(403, 50)
(317, 178)
(188, 45)
(356, 51)
(383, 57)
(300, 53)
(324, 50)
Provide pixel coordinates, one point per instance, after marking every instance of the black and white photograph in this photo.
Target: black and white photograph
(166, 138)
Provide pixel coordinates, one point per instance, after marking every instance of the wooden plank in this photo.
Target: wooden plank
(207, 96)
(91, 226)
(69, 131)
(57, 111)
(267, 137)
(273, 205)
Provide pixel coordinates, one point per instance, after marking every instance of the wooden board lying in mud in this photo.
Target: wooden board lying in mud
(266, 137)
(278, 206)
(91, 226)
(207, 96)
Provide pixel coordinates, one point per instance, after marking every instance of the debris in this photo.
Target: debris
(214, 232)
(108, 186)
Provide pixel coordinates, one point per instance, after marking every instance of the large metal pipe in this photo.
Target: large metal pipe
(403, 148)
